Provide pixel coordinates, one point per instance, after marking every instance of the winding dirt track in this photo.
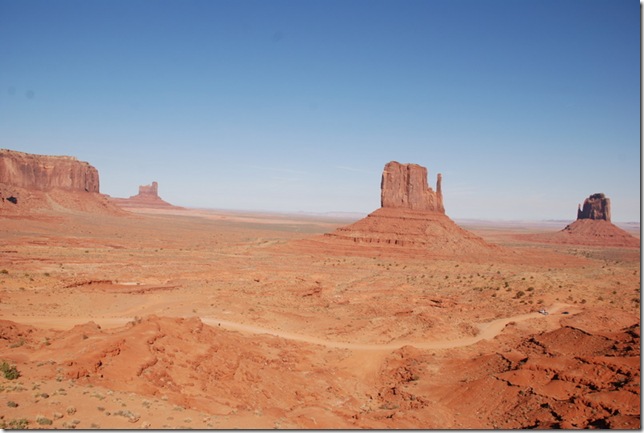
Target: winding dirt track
(488, 330)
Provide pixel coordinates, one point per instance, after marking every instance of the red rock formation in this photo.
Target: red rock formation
(596, 207)
(595, 232)
(30, 182)
(44, 173)
(412, 216)
(151, 191)
(405, 186)
(148, 197)
(592, 227)
(568, 378)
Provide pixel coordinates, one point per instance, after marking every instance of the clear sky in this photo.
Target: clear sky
(525, 107)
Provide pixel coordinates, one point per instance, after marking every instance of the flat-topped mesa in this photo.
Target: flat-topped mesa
(596, 207)
(45, 173)
(405, 186)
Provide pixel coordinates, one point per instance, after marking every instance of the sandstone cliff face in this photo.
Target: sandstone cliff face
(596, 207)
(405, 186)
(45, 173)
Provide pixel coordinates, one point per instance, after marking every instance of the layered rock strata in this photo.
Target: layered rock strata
(30, 182)
(44, 173)
(404, 186)
(412, 216)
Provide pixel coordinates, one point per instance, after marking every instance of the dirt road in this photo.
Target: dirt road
(487, 331)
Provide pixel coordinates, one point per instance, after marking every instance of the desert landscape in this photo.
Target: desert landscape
(134, 313)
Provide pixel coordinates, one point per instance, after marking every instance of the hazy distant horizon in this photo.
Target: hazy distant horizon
(348, 215)
(526, 108)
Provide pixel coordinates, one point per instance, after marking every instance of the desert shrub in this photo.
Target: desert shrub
(18, 343)
(12, 403)
(14, 424)
(519, 294)
(4, 271)
(10, 371)
(132, 417)
(44, 421)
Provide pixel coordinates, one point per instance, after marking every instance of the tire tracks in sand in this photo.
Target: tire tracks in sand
(487, 331)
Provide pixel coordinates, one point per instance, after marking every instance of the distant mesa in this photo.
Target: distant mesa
(412, 215)
(30, 182)
(148, 197)
(593, 227)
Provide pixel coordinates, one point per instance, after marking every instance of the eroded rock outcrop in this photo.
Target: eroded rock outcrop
(30, 182)
(151, 191)
(596, 207)
(44, 173)
(593, 227)
(148, 197)
(405, 186)
(412, 216)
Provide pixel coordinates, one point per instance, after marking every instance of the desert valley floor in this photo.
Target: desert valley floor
(205, 319)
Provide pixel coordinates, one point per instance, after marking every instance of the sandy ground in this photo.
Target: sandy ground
(205, 319)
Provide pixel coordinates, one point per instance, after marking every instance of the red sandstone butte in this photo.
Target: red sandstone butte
(412, 216)
(405, 186)
(592, 227)
(596, 207)
(148, 197)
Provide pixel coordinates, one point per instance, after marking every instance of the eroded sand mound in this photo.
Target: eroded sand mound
(189, 364)
(588, 232)
(567, 378)
(29, 202)
(414, 229)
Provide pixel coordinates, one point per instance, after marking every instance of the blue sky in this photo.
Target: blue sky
(525, 107)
